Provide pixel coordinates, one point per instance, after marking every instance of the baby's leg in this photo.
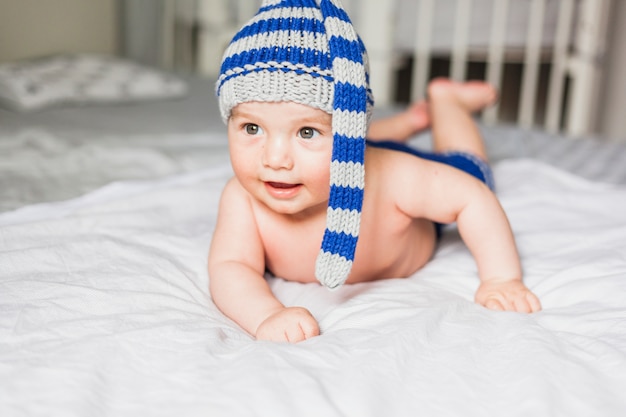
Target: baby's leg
(400, 127)
(451, 108)
(476, 95)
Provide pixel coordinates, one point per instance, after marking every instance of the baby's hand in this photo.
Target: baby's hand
(291, 324)
(510, 295)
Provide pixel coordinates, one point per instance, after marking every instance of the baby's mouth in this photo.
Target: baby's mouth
(281, 185)
(282, 190)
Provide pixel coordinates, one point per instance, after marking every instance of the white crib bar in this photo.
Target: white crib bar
(376, 28)
(495, 58)
(421, 55)
(584, 65)
(559, 66)
(526, 115)
(214, 36)
(461, 35)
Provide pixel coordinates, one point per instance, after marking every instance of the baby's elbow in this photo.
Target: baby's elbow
(217, 274)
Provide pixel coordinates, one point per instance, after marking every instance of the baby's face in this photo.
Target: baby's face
(280, 153)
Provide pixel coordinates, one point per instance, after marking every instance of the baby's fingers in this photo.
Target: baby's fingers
(294, 334)
(533, 302)
(526, 303)
(310, 328)
(301, 331)
(291, 324)
(521, 305)
(494, 304)
(507, 296)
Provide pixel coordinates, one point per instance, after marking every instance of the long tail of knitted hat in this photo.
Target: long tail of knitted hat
(308, 52)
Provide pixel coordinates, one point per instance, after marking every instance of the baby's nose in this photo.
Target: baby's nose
(277, 153)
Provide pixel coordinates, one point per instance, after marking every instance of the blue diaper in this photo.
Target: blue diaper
(464, 161)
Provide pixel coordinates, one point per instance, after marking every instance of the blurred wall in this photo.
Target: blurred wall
(140, 30)
(30, 28)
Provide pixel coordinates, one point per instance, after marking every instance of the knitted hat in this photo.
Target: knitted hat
(307, 52)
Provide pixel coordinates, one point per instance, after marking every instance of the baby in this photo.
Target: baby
(312, 200)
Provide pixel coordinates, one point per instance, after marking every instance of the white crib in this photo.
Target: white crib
(557, 46)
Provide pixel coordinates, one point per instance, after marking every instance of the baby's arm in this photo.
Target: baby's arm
(446, 195)
(237, 285)
(485, 229)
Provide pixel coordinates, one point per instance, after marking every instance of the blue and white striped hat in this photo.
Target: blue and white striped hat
(308, 52)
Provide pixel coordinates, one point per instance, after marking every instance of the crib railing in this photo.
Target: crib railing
(574, 58)
(573, 55)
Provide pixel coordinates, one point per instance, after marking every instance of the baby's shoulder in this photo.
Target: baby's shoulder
(233, 192)
(232, 186)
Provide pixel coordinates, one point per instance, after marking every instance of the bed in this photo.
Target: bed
(106, 215)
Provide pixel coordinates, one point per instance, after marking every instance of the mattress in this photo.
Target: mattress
(106, 218)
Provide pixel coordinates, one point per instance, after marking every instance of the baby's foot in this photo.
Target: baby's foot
(473, 95)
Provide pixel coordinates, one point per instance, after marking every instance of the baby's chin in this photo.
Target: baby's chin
(298, 209)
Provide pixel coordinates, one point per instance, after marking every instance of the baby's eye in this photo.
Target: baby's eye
(308, 133)
(252, 129)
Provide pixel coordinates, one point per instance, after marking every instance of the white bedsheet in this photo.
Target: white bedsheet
(104, 311)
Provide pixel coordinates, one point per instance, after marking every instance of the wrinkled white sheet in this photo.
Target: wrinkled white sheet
(43, 165)
(104, 311)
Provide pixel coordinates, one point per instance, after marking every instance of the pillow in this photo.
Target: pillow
(82, 79)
